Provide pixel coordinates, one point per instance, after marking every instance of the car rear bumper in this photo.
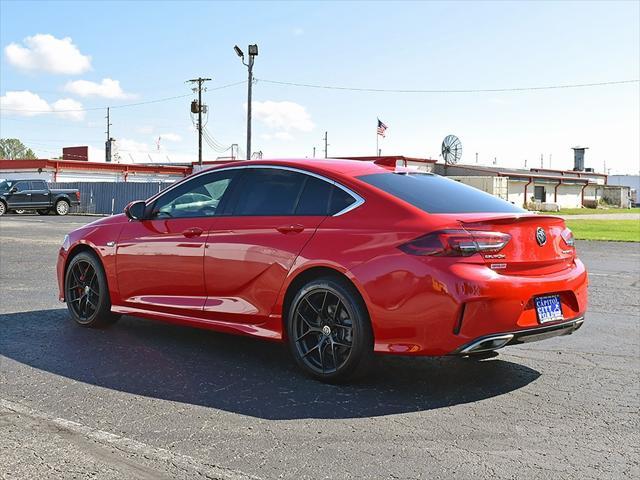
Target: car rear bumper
(505, 339)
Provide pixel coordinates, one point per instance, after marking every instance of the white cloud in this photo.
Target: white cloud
(28, 104)
(171, 137)
(23, 103)
(49, 54)
(283, 116)
(69, 108)
(108, 88)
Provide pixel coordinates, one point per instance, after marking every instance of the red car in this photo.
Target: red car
(341, 259)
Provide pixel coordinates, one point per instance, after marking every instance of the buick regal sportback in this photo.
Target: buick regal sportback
(340, 259)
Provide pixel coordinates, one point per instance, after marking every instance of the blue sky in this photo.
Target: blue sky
(151, 48)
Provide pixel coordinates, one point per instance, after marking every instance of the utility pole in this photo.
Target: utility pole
(253, 52)
(198, 108)
(314, 152)
(541, 160)
(107, 145)
(325, 144)
(476, 157)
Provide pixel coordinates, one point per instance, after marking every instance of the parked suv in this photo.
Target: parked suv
(16, 195)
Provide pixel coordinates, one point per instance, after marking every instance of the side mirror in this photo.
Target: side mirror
(135, 210)
(13, 190)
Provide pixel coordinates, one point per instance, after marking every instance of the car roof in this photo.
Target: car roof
(331, 166)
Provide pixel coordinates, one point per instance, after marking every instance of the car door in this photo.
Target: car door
(270, 216)
(159, 260)
(39, 194)
(21, 197)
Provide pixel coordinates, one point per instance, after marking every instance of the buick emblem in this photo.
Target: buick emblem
(541, 236)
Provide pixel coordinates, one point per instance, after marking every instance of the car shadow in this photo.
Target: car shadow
(239, 374)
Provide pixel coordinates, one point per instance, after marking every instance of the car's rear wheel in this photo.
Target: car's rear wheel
(62, 207)
(87, 292)
(43, 211)
(329, 331)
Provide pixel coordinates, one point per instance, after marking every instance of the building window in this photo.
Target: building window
(539, 194)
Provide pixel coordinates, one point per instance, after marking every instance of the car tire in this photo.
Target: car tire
(86, 292)
(43, 211)
(62, 207)
(20, 211)
(3, 208)
(329, 331)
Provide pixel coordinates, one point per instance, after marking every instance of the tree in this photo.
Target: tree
(14, 149)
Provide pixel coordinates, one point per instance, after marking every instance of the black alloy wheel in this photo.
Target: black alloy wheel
(87, 293)
(329, 331)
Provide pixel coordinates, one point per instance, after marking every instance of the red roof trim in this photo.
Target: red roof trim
(520, 175)
(75, 165)
(572, 172)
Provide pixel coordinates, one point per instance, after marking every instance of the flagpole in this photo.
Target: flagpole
(377, 150)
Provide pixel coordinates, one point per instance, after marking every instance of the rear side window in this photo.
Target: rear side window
(38, 185)
(269, 191)
(436, 194)
(339, 200)
(315, 197)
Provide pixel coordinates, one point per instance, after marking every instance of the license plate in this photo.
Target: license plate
(549, 308)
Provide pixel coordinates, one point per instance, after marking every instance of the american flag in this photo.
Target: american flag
(381, 128)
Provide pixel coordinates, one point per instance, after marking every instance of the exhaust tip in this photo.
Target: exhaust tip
(488, 344)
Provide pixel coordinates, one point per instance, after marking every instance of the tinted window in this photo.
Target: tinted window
(339, 200)
(315, 197)
(268, 191)
(436, 194)
(21, 186)
(38, 185)
(200, 197)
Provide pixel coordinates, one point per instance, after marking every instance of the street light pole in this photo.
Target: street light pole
(253, 52)
(250, 68)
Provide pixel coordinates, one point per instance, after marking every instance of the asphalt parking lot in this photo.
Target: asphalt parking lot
(149, 400)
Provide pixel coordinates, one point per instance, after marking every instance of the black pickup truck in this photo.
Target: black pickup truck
(17, 195)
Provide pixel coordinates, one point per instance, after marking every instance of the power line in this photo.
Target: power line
(157, 100)
(477, 90)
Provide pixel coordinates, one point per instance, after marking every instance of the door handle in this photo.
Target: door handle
(289, 228)
(192, 232)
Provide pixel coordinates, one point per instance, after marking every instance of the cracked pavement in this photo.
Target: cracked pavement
(148, 400)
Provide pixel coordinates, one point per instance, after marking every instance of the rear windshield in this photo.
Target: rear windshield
(436, 194)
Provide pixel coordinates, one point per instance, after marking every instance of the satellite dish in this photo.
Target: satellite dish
(451, 149)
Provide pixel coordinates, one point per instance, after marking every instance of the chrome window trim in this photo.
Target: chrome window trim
(358, 199)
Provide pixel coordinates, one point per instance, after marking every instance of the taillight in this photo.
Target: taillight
(78, 196)
(567, 236)
(456, 243)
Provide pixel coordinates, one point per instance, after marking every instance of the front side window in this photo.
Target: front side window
(21, 186)
(200, 197)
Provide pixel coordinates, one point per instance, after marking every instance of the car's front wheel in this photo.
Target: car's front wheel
(62, 207)
(3, 208)
(329, 330)
(87, 292)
